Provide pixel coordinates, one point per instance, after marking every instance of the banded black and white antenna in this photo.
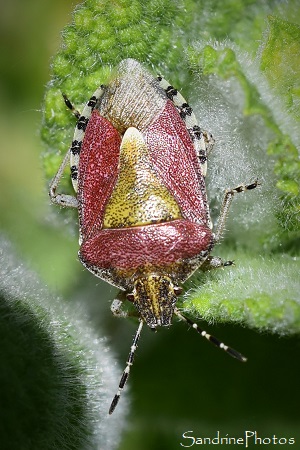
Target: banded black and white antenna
(126, 372)
(235, 354)
(211, 338)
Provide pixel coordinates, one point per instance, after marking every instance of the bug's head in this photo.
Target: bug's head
(155, 297)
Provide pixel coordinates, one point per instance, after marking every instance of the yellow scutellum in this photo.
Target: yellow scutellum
(139, 197)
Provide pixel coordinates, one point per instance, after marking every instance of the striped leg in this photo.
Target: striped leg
(228, 197)
(214, 262)
(126, 372)
(73, 153)
(62, 199)
(82, 123)
(117, 307)
(202, 140)
(212, 339)
(71, 107)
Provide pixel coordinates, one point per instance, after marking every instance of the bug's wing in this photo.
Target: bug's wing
(176, 162)
(98, 169)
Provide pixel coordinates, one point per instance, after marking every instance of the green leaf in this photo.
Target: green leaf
(280, 61)
(259, 101)
(260, 293)
(237, 104)
(57, 376)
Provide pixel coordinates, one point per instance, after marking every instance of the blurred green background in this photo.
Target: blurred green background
(30, 35)
(179, 382)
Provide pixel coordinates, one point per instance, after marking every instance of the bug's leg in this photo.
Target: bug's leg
(211, 338)
(202, 140)
(79, 133)
(126, 372)
(61, 199)
(64, 199)
(73, 153)
(214, 262)
(209, 141)
(71, 107)
(117, 307)
(229, 194)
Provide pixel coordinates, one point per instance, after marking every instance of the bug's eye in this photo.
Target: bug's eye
(177, 290)
(130, 297)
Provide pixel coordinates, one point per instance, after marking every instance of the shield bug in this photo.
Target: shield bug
(138, 166)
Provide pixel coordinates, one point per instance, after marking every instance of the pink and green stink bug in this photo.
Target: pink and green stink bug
(138, 166)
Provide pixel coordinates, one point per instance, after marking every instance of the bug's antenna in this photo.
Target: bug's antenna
(211, 339)
(129, 363)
